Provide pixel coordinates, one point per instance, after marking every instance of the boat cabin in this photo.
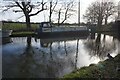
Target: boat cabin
(45, 27)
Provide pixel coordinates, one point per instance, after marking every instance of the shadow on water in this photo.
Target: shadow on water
(28, 57)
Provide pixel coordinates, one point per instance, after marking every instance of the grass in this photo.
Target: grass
(17, 26)
(21, 33)
(19, 29)
(104, 69)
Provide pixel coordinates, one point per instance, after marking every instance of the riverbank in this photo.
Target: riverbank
(104, 69)
(22, 34)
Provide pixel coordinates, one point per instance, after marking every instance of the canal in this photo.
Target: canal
(31, 57)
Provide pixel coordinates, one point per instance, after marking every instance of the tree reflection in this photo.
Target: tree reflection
(65, 47)
(76, 57)
(28, 63)
(28, 41)
(99, 47)
(51, 56)
(27, 60)
(29, 67)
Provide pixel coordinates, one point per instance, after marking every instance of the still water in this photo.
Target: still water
(30, 57)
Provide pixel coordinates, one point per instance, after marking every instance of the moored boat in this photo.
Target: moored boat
(47, 30)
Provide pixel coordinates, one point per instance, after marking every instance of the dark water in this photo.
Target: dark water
(29, 57)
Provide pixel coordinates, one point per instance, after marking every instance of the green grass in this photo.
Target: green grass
(22, 33)
(17, 26)
(104, 69)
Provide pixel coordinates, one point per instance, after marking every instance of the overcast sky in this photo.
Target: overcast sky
(10, 15)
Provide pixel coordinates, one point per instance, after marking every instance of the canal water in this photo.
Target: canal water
(30, 57)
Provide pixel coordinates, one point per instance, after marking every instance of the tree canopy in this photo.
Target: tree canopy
(99, 11)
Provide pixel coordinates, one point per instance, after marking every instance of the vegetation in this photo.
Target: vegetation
(104, 69)
(22, 33)
(17, 26)
(27, 8)
(30, 8)
(99, 12)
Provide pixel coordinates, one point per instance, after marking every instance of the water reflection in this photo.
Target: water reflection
(101, 45)
(26, 60)
(76, 58)
(5, 40)
(47, 58)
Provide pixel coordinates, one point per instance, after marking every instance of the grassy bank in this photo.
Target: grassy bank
(104, 69)
(18, 26)
(22, 34)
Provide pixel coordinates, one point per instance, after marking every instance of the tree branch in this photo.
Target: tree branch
(36, 12)
(31, 7)
(54, 7)
(39, 10)
(65, 15)
(19, 5)
(28, 3)
(9, 7)
(69, 7)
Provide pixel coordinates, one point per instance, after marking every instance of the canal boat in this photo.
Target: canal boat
(47, 30)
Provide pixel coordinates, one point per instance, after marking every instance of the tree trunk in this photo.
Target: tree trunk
(106, 20)
(51, 55)
(76, 58)
(28, 22)
(28, 41)
(59, 18)
(98, 39)
(50, 11)
(65, 48)
(104, 37)
(100, 22)
(98, 43)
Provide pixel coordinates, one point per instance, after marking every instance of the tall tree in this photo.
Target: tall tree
(95, 13)
(65, 11)
(52, 8)
(109, 10)
(27, 8)
(98, 11)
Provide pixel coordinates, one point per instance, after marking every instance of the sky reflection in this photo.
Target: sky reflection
(54, 60)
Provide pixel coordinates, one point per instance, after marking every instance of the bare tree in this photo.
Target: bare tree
(52, 8)
(27, 8)
(109, 10)
(64, 12)
(98, 11)
(90, 16)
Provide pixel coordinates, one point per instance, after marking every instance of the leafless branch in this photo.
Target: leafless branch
(19, 5)
(43, 4)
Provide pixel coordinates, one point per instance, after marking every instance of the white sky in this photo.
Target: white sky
(10, 15)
